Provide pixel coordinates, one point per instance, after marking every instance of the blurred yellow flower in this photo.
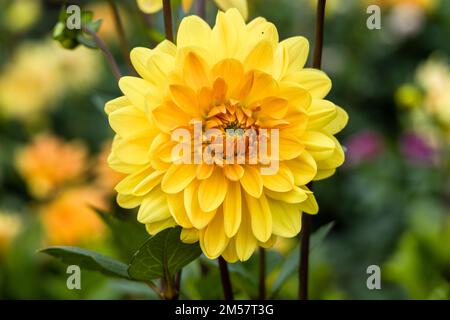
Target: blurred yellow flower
(20, 15)
(408, 96)
(152, 6)
(38, 74)
(234, 76)
(105, 177)
(10, 226)
(48, 163)
(70, 219)
(434, 77)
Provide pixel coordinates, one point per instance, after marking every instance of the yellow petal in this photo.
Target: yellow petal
(128, 201)
(128, 184)
(290, 147)
(178, 177)
(245, 240)
(281, 181)
(214, 237)
(320, 113)
(323, 174)
(139, 57)
(317, 141)
(338, 123)
(198, 218)
(304, 168)
(154, 228)
(240, 5)
(286, 219)
(133, 150)
(315, 81)
(154, 207)
(136, 90)
(212, 191)
(335, 160)
(251, 181)
(234, 172)
(158, 66)
(296, 195)
(117, 104)
(297, 96)
(189, 235)
(260, 57)
(129, 122)
(297, 50)
(229, 254)
(232, 207)
(195, 70)
(176, 207)
(204, 171)
(186, 99)
(150, 6)
(310, 205)
(261, 218)
(225, 37)
(165, 120)
(194, 32)
(230, 70)
(274, 107)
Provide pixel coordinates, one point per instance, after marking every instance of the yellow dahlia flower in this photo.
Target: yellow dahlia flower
(152, 6)
(234, 75)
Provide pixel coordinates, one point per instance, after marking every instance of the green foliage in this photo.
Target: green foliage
(162, 256)
(89, 260)
(72, 38)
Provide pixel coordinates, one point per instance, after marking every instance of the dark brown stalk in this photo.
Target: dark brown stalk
(108, 55)
(201, 9)
(125, 48)
(167, 10)
(262, 273)
(306, 219)
(225, 277)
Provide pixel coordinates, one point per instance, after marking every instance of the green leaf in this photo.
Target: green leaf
(127, 234)
(162, 256)
(89, 260)
(290, 265)
(319, 236)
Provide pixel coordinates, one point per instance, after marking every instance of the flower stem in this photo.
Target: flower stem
(306, 219)
(108, 55)
(167, 10)
(225, 277)
(320, 22)
(262, 273)
(121, 32)
(201, 9)
(304, 257)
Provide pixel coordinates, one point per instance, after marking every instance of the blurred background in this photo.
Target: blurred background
(389, 205)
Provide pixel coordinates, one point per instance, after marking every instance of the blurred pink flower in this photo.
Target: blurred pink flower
(415, 149)
(363, 146)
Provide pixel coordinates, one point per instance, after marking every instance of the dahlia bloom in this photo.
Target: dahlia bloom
(70, 218)
(235, 75)
(48, 163)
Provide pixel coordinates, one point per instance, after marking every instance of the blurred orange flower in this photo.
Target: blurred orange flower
(48, 163)
(70, 218)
